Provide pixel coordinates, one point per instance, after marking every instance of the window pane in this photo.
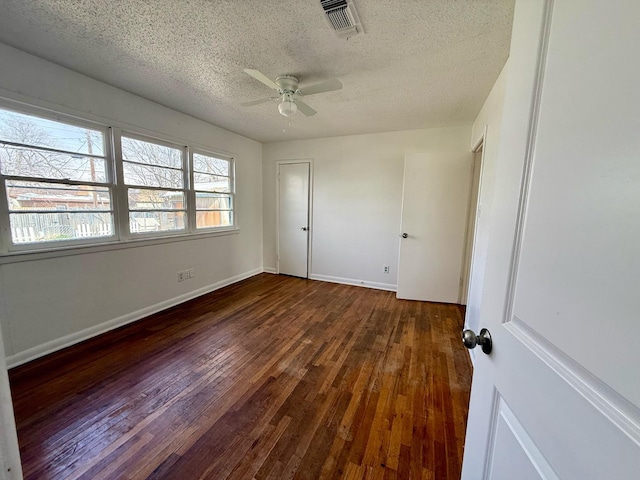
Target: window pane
(213, 219)
(29, 130)
(38, 163)
(151, 153)
(211, 201)
(149, 176)
(141, 199)
(51, 196)
(210, 183)
(145, 222)
(207, 164)
(59, 226)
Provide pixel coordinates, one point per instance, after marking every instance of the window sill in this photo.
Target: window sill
(65, 251)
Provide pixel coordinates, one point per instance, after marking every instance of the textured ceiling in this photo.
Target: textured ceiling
(420, 63)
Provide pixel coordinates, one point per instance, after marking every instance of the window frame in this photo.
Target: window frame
(125, 221)
(193, 191)
(7, 244)
(121, 237)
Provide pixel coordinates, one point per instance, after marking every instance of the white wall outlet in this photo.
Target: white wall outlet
(385, 268)
(191, 272)
(181, 277)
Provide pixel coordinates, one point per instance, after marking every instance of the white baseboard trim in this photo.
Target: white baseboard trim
(358, 283)
(269, 270)
(77, 337)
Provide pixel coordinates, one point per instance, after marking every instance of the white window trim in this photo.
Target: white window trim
(121, 238)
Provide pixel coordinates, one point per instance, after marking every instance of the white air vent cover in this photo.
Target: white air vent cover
(342, 16)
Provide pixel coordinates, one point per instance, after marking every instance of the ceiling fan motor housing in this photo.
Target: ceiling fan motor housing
(287, 83)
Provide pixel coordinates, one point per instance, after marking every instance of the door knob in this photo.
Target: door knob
(404, 235)
(305, 229)
(470, 340)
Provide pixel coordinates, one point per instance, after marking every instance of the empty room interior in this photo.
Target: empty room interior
(270, 240)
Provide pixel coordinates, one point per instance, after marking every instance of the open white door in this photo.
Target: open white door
(293, 218)
(434, 214)
(559, 396)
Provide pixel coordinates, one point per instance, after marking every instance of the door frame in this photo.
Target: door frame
(10, 464)
(308, 161)
(467, 260)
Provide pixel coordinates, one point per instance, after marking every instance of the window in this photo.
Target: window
(154, 177)
(56, 180)
(60, 179)
(213, 186)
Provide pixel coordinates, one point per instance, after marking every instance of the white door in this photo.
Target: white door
(559, 396)
(293, 218)
(434, 214)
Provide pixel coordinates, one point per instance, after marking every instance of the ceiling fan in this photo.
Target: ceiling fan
(288, 91)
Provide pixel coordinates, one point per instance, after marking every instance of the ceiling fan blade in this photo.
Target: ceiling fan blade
(258, 102)
(261, 77)
(304, 108)
(328, 86)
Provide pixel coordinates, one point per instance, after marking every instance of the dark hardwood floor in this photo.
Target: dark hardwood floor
(271, 378)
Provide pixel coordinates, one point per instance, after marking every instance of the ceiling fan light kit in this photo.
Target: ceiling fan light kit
(288, 85)
(288, 89)
(287, 107)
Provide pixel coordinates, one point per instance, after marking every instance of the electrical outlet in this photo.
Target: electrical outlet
(385, 268)
(191, 272)
(181, 277)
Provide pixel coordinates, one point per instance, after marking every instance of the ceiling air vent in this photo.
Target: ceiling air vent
(342, 16)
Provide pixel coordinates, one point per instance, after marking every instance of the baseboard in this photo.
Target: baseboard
(269, 270)
(358, 283)
(77, 337)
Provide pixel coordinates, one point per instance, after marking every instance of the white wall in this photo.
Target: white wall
(49, 303)
(490, 116)
(357, 197)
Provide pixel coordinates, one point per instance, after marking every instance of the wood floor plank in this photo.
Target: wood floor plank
(274, 377)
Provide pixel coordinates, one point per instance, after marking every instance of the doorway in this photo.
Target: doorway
(294, 196)
(472, 217)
